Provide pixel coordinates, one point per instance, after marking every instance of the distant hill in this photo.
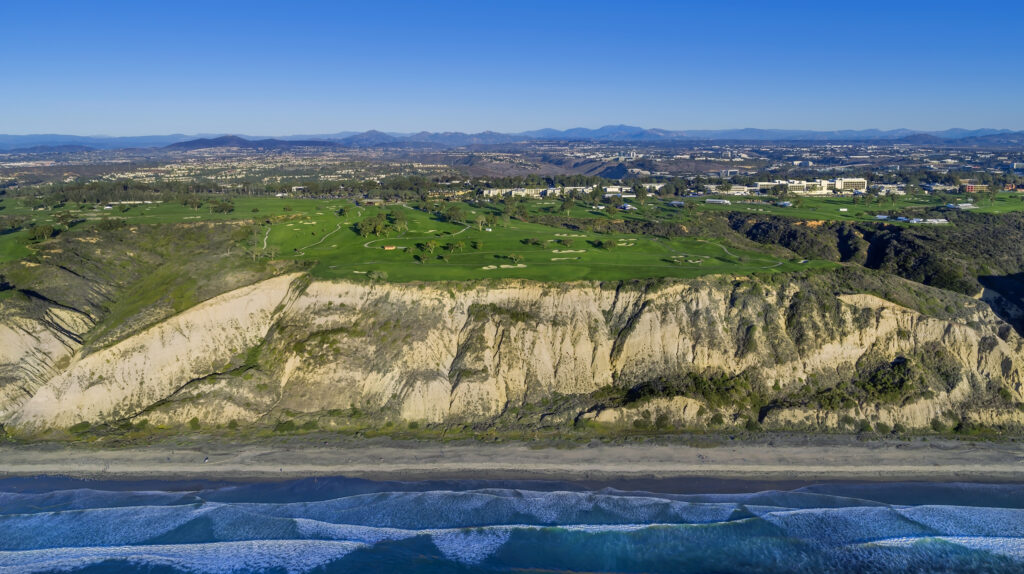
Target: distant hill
(9, 142)
(50, 143)
(242, 143)
(921, 139)
(68, 148)
(607, 133)
(462, 139)
(371, 138)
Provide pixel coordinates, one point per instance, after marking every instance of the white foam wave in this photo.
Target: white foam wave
(447, 509)
(1001, 545)
(94, 527)
(837, 526)
(292, 556)
(969, 520)
(471, 546)
(466, 545)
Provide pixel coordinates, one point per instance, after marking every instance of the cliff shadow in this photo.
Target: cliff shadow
(1005, 294)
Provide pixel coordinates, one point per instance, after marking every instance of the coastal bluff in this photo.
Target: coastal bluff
(809, 353)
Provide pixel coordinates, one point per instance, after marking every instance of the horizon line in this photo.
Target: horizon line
(407, 133)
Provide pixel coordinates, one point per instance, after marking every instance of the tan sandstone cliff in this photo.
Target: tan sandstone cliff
(282, 349)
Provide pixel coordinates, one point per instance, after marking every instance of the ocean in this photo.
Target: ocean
(50, 524)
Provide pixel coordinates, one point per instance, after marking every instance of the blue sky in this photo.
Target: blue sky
(291, 67)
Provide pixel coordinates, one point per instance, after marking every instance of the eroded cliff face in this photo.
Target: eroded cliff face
(282, 349)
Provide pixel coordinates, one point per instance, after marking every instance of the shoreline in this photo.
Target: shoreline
(934, 461)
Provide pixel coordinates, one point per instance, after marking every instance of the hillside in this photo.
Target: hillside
(164, 320)
(815, 352)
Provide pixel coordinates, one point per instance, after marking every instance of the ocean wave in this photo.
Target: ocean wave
(502, 528)
(1009, 547)
(482, 508)
(292, 556)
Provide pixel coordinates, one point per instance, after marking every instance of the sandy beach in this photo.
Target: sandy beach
(385, 459)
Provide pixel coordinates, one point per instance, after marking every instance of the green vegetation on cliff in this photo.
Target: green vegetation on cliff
(683, 318)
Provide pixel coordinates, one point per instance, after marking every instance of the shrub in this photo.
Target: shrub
(285, 426)
(413, 425)
(937, 425)
(80, 427)
(662, 421)
(717, 420)
(194, 423)
(233, 425)
(110, 224)
(882, 428)
(41, 232)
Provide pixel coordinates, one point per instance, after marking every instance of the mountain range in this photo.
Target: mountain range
(610, 133)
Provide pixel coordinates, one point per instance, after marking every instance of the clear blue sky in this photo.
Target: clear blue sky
(291, 67)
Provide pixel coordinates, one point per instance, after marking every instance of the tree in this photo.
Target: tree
(41, 232)
(567, 205)
(364, 227)
(398, 220)
(380, 225)
(430, 246)
(193, 202)
(641, 193)
(460, 245)
(453, 213)
(516, 258)
(480, 221)
(64, 219)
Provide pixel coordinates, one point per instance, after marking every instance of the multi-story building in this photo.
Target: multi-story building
(849, 184)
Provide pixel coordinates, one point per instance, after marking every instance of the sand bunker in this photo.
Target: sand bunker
(520, 266)
(568, 250)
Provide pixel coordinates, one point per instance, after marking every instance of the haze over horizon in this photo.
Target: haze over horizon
(127, 69)
(336, 133)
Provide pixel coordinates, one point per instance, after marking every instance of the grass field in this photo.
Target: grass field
(542, 252)
(430, 249)
(828, 208)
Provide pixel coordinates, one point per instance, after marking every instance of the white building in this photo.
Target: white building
(817, 186)
(849, 184)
